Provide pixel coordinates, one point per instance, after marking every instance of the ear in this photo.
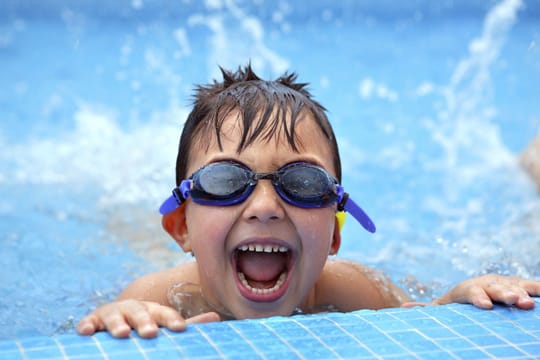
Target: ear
(336, 239)
(175, 224)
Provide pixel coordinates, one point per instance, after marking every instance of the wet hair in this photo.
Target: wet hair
(266, 110)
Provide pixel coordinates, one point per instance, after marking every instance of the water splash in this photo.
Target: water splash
(480, 176)
(236, 38)
(464, 129)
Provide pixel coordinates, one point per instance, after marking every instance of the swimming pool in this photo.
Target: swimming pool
(431, 103)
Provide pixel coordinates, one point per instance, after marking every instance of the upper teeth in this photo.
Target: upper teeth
(263, 248)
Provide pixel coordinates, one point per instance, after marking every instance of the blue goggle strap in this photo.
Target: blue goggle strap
(345, 203)
(179, 195)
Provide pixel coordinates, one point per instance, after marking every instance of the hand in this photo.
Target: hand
(145, 317)
(483, 291)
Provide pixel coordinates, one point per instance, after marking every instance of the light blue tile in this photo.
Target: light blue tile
(531, 324)
(469, 330)
(126, 356)
(198, 351)
(531, 349)
(504, 351)
(414, 342)
(437, 332)
(314, 321)
(515, 337)
(84, 349)
(422, 323)
(289, 330)
(454, 343)
(327, 331)
(250, 327)
(119, 346)
(8, 346)
(386, 348)
(316, 352)
(37, 342)
(43, 353)
(470, 354)
(286, 355)
(270, 345)
(164, 354)
(11, 355)
(392, 325)
(436, 355)
(68, 340)
(486, 340)
(234, 350)
(352, 351)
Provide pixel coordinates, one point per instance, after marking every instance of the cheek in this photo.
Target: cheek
(208, 228)
(316, 230)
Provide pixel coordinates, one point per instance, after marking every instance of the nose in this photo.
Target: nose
(264, 204)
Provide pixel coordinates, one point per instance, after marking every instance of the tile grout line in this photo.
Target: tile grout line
(283, 340)
(172, 340)
(420, 333)
(505, 319)
(457, 335)
(21, 350)
(61, 348)
(355, 338)
(385, 333)
(210, 342)
(100, 348)
(318, 338)
(139, 347)
(247, 340)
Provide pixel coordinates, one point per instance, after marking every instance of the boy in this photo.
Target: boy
(258, 173)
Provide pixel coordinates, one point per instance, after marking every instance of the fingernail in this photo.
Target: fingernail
(177, 324)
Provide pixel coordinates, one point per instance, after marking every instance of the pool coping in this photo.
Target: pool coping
(435, 332)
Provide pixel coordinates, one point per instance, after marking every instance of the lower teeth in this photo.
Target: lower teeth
(278, 284)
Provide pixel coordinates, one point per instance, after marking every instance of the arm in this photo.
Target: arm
(352, 286)
(143, 305)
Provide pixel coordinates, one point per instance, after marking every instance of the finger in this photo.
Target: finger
(166, 316)
(137, 314)
(411, 304)
(480, 298)
(114, 321)
(89, 325)
(532, 287)
(204, 318)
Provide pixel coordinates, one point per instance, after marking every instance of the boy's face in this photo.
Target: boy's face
(293, 242)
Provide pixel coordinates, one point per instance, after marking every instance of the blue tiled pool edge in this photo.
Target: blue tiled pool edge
(441, 332)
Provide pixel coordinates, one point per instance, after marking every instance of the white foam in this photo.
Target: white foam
(130, 165)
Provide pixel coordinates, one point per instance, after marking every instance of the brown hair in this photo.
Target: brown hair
(265, 108)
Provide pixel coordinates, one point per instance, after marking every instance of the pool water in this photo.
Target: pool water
(432, 102)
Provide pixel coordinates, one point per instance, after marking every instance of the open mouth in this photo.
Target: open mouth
(262, 271)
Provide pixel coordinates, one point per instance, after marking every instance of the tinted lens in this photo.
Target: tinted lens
(307, 186)
(219, 181)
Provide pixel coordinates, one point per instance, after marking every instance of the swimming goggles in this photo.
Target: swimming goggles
(301, 184)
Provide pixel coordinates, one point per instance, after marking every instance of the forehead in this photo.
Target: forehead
(283, 134)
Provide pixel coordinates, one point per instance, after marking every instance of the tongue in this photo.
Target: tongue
(261, 266)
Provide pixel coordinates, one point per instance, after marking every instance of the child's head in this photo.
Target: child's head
(257, 171)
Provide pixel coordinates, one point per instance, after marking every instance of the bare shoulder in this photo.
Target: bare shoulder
(350, 286)
(530, 160)
(154, 286)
